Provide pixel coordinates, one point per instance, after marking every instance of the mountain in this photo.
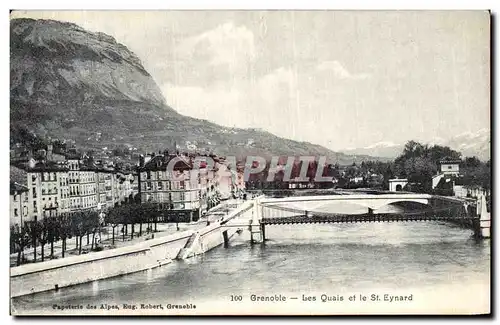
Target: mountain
(469, 144)
(72, 84)
(379, 149)
(472, 144)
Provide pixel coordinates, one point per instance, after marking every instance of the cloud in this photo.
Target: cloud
(242, 103)
(339, 70)
(216, 103)
(226, 46)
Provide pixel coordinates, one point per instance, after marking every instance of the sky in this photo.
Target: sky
(342, 79)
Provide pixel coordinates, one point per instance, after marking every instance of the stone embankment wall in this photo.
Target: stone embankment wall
(38, 277)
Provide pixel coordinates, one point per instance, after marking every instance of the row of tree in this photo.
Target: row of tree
(146, 215)
(52, 229)
(417, 162)
(88, 223)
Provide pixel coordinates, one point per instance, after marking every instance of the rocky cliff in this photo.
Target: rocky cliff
(69, 83)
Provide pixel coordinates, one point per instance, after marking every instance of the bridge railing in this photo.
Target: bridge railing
(454, 212)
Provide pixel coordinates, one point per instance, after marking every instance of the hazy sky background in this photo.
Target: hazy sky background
(336, 78)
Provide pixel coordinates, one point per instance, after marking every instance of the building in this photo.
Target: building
(450, 166)
(53, 198)
(88, 188)
(64, 199)
(225, 180)
(47, 184)
(397, 184)
(101, 188)
(18, 204)
(82, 183)
(68, 183)
(448, 170)
(73, 162)
(183, 189)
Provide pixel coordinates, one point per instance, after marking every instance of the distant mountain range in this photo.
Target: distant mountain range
(72, 84)
(469, 144)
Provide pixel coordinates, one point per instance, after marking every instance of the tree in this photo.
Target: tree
(53, 233)
(420, 170)
(419, 163)
(64, 223)
(479, 176)
(42, 234)
(33, 228)
(78, 228)
(114, 217)
(471, 162)
(20, 238)
(91, 224)
(351, 171)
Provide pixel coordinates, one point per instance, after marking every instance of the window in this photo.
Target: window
(15, 197)
(16, 214)
(34, 192)
(449, 167)
(160, 186)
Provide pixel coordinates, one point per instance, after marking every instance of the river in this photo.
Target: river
(438, 265)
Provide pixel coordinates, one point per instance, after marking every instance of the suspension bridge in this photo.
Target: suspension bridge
(354, 208)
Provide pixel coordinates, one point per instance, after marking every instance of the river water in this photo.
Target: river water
(439, 266)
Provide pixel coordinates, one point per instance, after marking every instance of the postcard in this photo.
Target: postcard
(284, 162)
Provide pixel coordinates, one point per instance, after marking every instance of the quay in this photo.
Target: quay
(55, 274)
(252, 215)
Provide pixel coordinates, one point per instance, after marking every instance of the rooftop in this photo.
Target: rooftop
(18, 175)
(449, 160)
(160, 162)
(17, 188)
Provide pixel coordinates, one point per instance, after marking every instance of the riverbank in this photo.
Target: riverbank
(431, 261)
(152, 253)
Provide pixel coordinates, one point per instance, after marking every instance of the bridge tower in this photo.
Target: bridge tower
(263, 232)
(255, 226)
(483, 227)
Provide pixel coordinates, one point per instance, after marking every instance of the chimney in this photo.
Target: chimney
(49, 152)
(31, 162)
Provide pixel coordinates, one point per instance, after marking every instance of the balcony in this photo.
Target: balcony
(53, 192)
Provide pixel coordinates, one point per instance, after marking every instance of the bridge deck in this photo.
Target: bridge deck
(350, 197)
(389, 217)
